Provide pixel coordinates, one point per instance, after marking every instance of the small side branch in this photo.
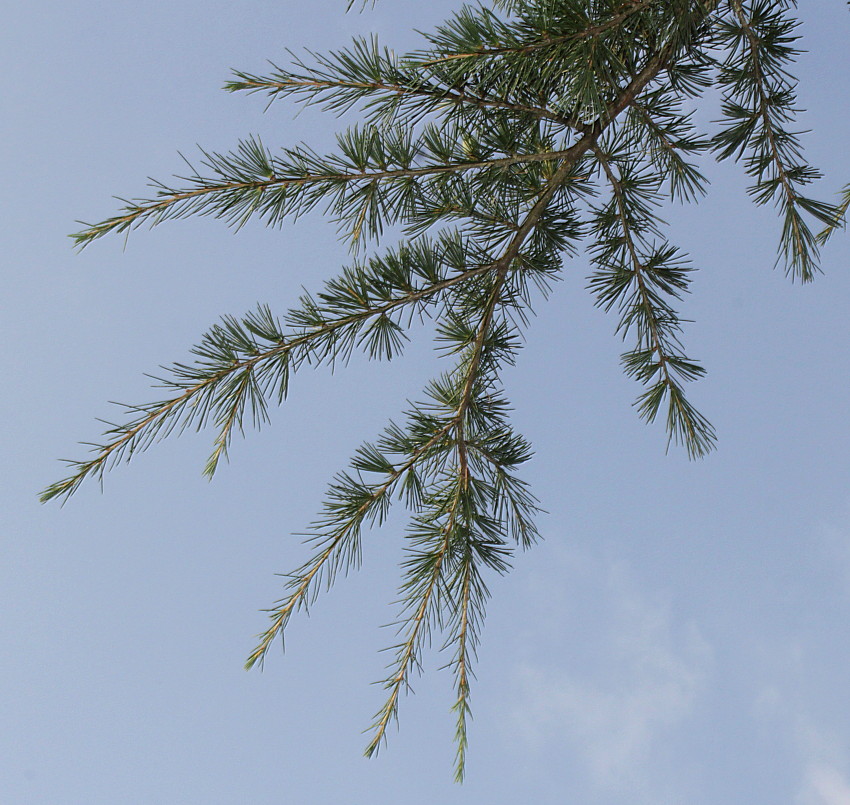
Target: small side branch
(654, 360)
(305, 579)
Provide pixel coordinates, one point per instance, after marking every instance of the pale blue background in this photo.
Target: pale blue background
(681, 636)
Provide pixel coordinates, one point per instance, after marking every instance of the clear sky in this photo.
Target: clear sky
(681, 635)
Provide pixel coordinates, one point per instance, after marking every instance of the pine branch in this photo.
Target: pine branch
(330, 539)
(670, 135)
(407, 651)
(365, 74)
(840, 217)
(462, 672)
(765, 101)
(800, 256)
(655, 321)
(510, 126)
(501, 269)
(577, 76)
(331, 536)
(251, 182)
(232, 352)
(593, 31)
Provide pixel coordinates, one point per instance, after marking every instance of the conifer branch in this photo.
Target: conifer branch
(764, 101)
(283, 83)
(839, 219)
(461, 666)
(407, 656)
(303, 580)
(273, 196)
(407, 651)
(800, 258)
(509, 126)
(501, 269)
(626, 10)
(656, 324)
(196, 399)
(671, 136)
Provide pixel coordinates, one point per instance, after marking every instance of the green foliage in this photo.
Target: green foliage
(517, 134)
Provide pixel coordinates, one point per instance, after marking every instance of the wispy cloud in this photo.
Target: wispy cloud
(824, 754)
(641, 680)
(818, 755)
(824, 785)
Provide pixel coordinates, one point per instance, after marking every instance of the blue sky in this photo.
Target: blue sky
(681, 635)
